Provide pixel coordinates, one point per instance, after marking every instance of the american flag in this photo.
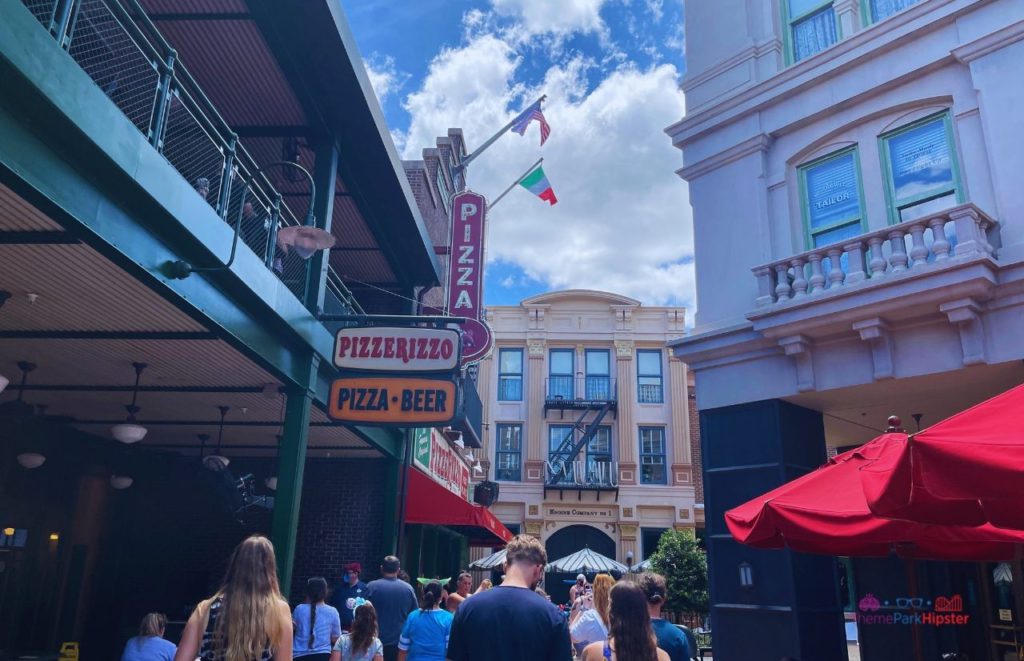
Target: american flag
(522, 122)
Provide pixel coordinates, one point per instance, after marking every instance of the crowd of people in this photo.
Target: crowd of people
(248, 619)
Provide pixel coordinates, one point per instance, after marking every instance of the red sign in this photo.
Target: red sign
(465, 274)
(433, 455)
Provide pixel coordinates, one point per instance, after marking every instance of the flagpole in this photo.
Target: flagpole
(515, 183)
(466, 161)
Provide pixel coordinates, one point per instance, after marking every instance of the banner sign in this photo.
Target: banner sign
(393, 400)
(465, 274)
(434, 456)
(384, 349)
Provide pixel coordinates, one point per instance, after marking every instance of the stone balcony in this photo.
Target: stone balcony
(943, 265)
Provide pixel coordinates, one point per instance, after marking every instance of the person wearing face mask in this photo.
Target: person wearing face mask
(512, 622)
(344, 595)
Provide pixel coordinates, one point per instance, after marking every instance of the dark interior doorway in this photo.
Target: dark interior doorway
(565, 542)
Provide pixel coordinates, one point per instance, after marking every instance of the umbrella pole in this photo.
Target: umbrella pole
(910, 566)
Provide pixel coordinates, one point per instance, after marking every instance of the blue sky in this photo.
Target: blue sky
(611, 70)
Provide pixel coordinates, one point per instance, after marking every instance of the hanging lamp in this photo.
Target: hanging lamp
(130, 431)
(218, 461)
(29, 459)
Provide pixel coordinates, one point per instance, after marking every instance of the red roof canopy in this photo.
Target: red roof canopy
(826, 512)
(427, 502)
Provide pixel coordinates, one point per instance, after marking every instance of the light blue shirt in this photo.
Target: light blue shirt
(149, 648)
(425, 635)
(327, 626)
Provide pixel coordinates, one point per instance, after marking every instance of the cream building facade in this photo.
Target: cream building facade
(563, 362)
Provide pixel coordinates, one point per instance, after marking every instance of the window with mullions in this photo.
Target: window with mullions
(649, 378)
(598, 374)
(885, 8)
(810, 27)
(560, 374)
(921, 169)
(510, 375)
(832, 208)
(557, 435)
(508, 453)
(652, 456)
(442, 189)
(599, 449)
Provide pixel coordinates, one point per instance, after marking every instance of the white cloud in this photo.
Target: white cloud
(385, 78)
(537, 17)
(623, 220)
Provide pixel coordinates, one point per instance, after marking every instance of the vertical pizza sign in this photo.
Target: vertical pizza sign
(465, 274)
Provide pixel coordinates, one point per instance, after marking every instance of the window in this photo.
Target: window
(599, 456)
(880, 9)
(509, 453)
(560, 374)
(510, 375)
(921, 170)
(557, 435)
(598, 382)
(649, 382)
(830, 188)
(652, 455)
(811, 27)
(442, 189)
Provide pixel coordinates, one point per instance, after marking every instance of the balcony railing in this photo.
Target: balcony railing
(579, 388)
(913, 245)
(114, 42)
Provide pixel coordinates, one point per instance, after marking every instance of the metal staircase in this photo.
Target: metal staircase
(570, 447)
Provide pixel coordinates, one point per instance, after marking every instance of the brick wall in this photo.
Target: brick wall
(341, 520)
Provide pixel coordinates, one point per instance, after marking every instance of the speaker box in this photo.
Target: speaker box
(485, 493)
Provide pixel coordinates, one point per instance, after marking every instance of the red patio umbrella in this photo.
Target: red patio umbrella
(826, 512)
(966, 470)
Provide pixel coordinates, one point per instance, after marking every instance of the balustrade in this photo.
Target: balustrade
(960, 231)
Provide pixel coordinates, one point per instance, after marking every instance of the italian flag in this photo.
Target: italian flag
(537, 183)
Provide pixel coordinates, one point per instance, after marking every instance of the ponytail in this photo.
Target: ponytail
(316, 591)
(431, 595)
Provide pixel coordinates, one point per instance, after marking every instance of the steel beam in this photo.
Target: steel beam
(291, 462)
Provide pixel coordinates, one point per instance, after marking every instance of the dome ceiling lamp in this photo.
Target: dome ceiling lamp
(218, 461)
(130, 431)
(29, 459)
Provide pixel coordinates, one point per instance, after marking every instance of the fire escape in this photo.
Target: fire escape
(591, 398)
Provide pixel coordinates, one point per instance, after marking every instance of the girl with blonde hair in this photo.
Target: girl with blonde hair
(247, 619)
(588, 622)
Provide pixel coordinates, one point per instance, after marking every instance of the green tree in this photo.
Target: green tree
(685, 568)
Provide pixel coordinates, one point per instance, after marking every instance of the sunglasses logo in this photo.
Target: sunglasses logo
(909, 602)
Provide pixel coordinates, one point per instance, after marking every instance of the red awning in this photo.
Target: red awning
(427, 502)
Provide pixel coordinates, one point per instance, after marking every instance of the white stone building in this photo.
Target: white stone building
(585, 358)
(854, 170)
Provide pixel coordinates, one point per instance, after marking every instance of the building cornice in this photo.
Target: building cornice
(759, 142)
(989, 43)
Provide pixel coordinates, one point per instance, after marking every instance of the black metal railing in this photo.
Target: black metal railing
(575, 388)
(117, 45)
(650, 393)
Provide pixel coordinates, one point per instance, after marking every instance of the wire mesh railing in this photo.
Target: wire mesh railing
(114, 42)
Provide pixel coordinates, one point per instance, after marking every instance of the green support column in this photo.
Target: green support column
(326, 177)
(291, 464)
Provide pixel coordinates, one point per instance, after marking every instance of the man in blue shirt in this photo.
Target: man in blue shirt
(670, 637)
(345, 593)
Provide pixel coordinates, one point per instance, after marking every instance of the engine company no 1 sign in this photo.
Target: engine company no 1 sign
(433, 455)
(393, 400)
(385, 349)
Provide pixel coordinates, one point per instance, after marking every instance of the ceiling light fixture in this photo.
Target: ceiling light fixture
(217, 461)
(29, 459)
(130, 431)
(120, 482)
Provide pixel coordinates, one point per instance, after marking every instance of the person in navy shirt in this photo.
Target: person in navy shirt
(150, 644)
(345, 594)
(670, 637)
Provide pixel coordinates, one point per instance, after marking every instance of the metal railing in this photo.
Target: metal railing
(589, 388)
(650, 393)
(117, 45)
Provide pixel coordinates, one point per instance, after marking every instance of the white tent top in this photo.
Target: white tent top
(587, 561)
(493, 561)
(641, 566)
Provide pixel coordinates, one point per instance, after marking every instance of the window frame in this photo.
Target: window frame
(641, 454)
(498, 452)
(868, 17)
(443, 193)
(805, 211)
(787, 27)
(660, 376)
(502, 375)
(571, 375)
(587, 376)
(892, 205)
